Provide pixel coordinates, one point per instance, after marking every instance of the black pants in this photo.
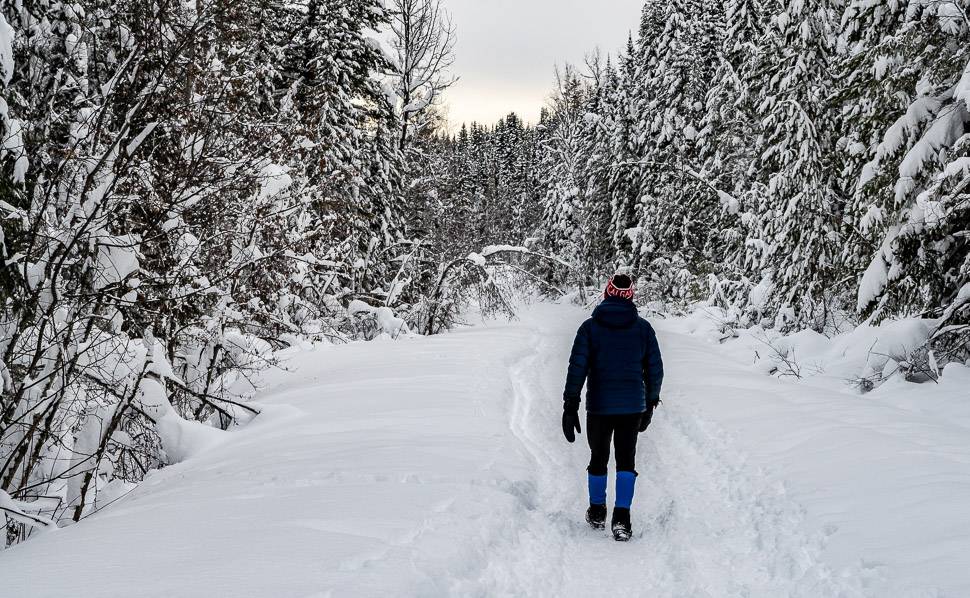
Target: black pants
(622, 430)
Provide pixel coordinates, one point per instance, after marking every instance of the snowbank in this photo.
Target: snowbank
(864, 357)
(376, 469)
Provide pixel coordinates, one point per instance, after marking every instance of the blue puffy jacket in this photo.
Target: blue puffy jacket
(617, 352)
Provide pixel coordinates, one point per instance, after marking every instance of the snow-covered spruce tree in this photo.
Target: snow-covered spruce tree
(625, 172)
(527, 209)
(637, 110)
(497, 181)
(726, 145)
(350, 156)
(452, 173)
(458, 188)
(797, 238)
(479, 189)
(597, 239)
(879, 82)
(910, 208)
(677, 53)
(513, 184)
(564, 207)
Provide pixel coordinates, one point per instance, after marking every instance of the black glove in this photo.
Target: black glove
(570, 420)
(647, 416)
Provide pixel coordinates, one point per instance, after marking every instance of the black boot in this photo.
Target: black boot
(622, 530)
(596, 516)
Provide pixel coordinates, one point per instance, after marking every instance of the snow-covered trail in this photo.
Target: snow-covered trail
(705, 524)
(436, 467)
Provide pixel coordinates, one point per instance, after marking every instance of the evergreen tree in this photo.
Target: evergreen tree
(597, 159)
(564, 217)
(726, 145)
(799, 214)
(910, 207)
(877, 88)
(676, 209)
(626, 159)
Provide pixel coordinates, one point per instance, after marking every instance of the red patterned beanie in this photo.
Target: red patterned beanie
(620, 285)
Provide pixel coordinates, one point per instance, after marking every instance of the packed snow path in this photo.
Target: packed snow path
(436, 467)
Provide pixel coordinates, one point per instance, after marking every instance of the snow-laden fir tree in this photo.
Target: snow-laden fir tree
(625, 152)
(564, 204)
(878, 85)
(726, 145)
(597, 240)
(912, 199)
(797, 239)
(677, 208)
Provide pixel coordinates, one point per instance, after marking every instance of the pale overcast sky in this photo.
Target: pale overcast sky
(507, 50)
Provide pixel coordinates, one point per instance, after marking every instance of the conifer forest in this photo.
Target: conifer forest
(188, 188)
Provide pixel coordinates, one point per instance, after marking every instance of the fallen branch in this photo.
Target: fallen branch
(12, 509)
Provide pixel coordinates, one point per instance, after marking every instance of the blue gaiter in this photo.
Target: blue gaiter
(625, 481)
(597, 489)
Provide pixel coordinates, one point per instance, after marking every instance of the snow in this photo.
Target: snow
(6, 50)
(872, 219)
(13, 143)
(384, 316)
(416, 105)
(274, 178)
(172, 224)
(477, 259)
(947, 128)
(493, 249)
(958, 167)
(21, 512)
(873, 282)
(856, 148)
(117, 258)
(158, 363)
(846, 358)
(876, 276)
(760, 293)
(922, 110)
(135, 143)
(951, 17)
(390, 323)
(11, 210)
(357, 306)
(962, 91)
(183, 438)
(436, 467)
(730, 204)
(886, 474)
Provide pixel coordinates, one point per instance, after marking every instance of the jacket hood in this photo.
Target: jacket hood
(614, 312)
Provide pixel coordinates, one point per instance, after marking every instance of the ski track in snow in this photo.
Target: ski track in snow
(437, 467)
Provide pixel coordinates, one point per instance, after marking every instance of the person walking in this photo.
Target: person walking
(617, 356)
